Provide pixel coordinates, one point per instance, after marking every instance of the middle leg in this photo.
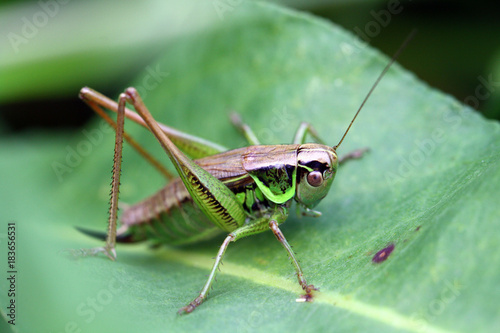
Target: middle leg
(244, 129)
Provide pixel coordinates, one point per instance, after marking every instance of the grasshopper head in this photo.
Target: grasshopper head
(317, 165)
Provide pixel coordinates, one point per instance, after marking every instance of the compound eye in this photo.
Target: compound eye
(315, 178)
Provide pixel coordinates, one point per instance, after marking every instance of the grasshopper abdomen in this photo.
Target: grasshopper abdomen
(169, 216)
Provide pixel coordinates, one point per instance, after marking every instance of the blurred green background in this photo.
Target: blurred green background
(95, 42)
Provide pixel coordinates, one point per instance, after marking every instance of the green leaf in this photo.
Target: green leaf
(429, 185)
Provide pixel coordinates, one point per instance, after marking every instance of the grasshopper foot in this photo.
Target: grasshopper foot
(308, 296)
(77, 253)
(309, 288)
(304, 211)
(191, 306)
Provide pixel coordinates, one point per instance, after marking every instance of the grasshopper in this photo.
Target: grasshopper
(241, 192)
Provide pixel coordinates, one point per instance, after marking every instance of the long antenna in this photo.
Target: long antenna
(394, 57)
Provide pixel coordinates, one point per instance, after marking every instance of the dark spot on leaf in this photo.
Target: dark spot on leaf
(418, 228)
(383, 254)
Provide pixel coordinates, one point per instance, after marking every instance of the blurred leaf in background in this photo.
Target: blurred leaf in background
(430, 184)
(81, 41)
(49, 48)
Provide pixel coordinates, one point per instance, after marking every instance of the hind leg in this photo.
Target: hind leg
(191, 145)
(109, 248)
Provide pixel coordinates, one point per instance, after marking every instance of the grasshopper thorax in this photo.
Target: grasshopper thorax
(316, 167)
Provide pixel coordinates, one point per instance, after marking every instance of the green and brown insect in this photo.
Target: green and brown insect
(241, 192)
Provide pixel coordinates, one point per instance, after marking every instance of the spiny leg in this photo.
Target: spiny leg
(308, 288)
(244, 129)
(109, 248)
(206, 288)
(147, 156)
(115, 182)
(255, 227)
